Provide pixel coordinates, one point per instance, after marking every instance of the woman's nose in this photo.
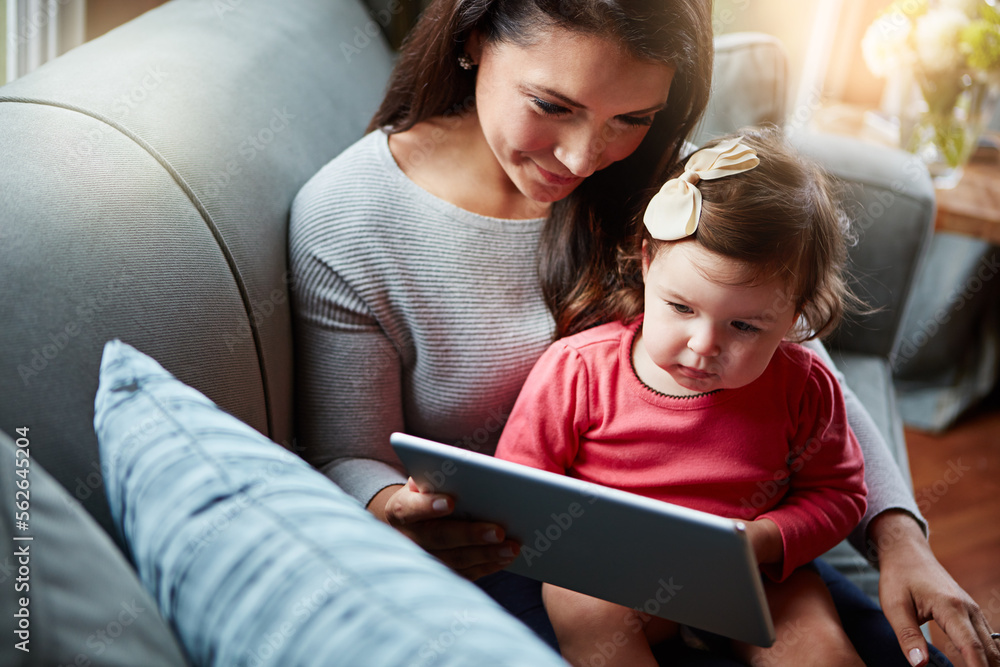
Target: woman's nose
(581, 152)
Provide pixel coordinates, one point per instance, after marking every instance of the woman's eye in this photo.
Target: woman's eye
(637, 121)
(681, 308)
(743, 327)
(548, 107)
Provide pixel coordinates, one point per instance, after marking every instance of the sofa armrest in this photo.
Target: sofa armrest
(145, 185)
(889, 196)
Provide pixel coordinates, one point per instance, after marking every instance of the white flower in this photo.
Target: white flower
(968, 7)
(936, 34)
(884, 45)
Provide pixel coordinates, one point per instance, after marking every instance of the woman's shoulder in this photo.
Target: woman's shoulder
(357, 190)
(358, 168)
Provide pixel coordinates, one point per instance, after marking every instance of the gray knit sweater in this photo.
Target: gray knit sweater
(414, 315)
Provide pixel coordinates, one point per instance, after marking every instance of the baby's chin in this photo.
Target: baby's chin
(695, 386)
(714, 383)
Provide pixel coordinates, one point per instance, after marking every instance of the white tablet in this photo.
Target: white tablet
(665, 560)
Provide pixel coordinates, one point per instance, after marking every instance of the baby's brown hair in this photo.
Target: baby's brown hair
(780, 220)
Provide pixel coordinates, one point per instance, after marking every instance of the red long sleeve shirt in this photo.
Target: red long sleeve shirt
(779, 447)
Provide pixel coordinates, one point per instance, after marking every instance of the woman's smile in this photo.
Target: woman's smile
(555, 179)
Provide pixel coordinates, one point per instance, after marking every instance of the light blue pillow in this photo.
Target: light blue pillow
(257, 559)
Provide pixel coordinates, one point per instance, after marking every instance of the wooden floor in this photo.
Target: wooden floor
(956, 479)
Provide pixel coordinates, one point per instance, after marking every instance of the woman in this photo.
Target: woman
(436, 258)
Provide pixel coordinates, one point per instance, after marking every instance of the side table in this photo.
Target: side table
(950, 353)
(973, 206)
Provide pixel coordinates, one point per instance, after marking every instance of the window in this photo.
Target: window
(822, 38)
(4, 46)
(37, 31)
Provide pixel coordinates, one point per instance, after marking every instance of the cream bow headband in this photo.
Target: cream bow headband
(674, 211)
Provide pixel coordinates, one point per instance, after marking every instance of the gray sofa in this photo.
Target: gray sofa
(145, 185)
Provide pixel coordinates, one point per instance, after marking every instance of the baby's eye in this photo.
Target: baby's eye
(743, 327)
(681, 308)
(548, 107)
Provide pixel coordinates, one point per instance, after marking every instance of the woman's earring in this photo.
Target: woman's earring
(465, 61)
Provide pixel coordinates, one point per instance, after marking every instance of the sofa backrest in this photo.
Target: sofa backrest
(145, 184)
(749, 85)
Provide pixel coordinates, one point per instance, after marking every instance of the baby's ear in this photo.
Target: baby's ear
(645, 258)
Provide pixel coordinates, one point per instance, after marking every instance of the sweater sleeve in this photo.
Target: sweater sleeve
(348, 372)
(826, 491)
(550, 413)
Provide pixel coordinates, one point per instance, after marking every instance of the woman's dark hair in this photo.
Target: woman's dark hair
(779, 220)
(577, 256)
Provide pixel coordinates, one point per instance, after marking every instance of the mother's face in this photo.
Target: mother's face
(564, 107)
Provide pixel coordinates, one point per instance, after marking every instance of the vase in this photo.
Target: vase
(942, 116)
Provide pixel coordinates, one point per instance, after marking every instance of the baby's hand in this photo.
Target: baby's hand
(765, 538)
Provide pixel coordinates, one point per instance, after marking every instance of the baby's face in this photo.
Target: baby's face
(700, 334)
